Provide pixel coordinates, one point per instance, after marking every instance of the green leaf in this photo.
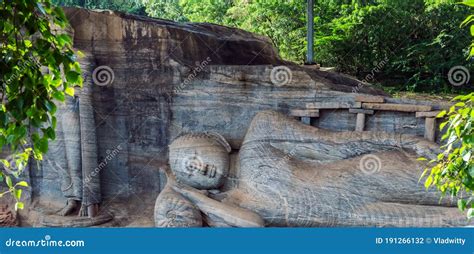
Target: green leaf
(8, 180)
(466, 157)
(42, 145)
(470, 213)
(63, 39)
(69, 91)
(441, 114)
(73, 77)
(468, 3)
(50, 133)
(59, 96)
(423, 174)
(50, 106)
(18, 193)
(462, 204)
(28, 43)
(428, 182)
(19, 205)
(22, 183)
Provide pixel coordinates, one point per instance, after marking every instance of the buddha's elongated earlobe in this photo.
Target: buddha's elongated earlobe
(219, 138)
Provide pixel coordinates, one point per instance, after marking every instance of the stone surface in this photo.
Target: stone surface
(428, 114)
(285, 168)
(54, 220)
(430, 128)
(7, 217)
(305, 112)
(363, 111)
(396, 107)
(174, 78)
(333, 105)
(360, 122)
(291, 174)
(366, 98)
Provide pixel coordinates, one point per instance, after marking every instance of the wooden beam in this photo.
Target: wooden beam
(363, 111)
(305, 112)
(430, 128)
(360, 123)
(369, 98)
(396, 107)
(427, 114)
(333, 105)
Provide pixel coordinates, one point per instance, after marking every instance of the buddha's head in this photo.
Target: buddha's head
(200, 160)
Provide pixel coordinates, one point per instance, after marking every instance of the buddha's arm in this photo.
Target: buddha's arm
(280, 131)
(223, 214)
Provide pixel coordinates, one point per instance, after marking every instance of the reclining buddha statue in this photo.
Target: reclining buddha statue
(291, 174)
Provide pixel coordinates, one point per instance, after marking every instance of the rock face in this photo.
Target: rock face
(7, 217)
(170, 78)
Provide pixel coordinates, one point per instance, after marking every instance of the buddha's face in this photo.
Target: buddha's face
(194, 165)
(202, 168)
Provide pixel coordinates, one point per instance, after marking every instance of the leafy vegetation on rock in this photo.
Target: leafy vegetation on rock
(37, 68)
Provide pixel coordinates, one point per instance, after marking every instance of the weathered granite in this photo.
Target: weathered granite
(291, 174)
(171, 78)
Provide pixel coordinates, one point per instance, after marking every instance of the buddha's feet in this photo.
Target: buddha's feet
(89, 211)
(71, 205)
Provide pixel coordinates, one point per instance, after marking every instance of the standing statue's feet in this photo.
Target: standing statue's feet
(71, 205)
(89, 210)
(93, 210)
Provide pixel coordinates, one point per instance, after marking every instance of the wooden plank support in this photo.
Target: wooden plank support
(359, 110)
(430, 128)
(333, 105)
(369, 98)
(305, 112)
(396, 107)
(360, 123)
(427, 114)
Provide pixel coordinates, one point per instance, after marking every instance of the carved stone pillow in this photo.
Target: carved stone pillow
(200, 160)
(173, 210)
